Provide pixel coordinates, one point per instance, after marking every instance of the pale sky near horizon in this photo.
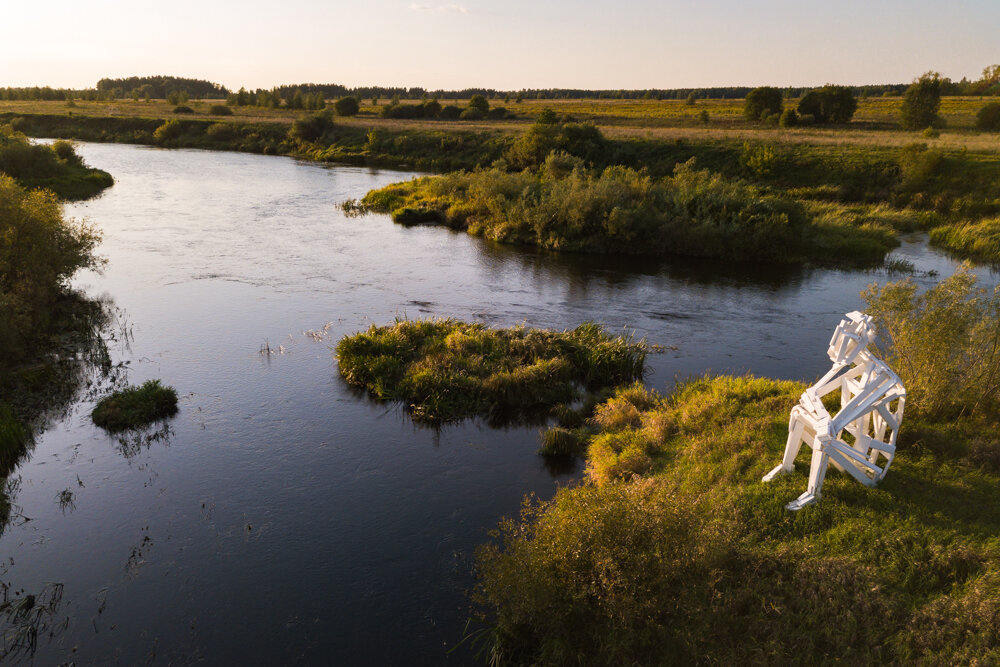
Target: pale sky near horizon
(505, 45)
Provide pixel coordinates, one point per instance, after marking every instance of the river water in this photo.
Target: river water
(282, 518)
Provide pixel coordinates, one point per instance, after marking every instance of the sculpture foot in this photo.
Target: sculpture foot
(779, 470)
(800, 502)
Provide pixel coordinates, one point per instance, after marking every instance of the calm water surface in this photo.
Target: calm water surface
(283, 518)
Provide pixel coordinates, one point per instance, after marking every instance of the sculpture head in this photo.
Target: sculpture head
(851, 337)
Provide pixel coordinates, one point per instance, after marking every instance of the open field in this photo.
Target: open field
(875, 122)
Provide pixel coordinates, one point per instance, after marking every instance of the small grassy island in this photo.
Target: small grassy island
(445, 370)
(135, 407)
(565, 206)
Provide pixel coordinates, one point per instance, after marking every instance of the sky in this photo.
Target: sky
(508, 45)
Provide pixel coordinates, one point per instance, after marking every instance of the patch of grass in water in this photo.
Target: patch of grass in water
(445, 370)
(135, 406)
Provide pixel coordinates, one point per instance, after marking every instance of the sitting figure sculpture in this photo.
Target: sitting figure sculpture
(863, 432)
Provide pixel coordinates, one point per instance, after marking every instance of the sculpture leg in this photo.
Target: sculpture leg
(817, 472)
(792, 446)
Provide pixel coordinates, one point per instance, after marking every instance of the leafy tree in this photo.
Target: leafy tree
(829, 104)
(479, 102)
(921, 102)
(346, 106)
(762, 102)
(547, 117)
(691, 100)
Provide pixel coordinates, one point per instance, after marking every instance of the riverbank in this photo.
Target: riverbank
(674, 551)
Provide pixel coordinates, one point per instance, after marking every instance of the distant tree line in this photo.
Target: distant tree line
(162, 87)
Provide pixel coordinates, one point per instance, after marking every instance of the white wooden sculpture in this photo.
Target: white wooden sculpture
(862, 434)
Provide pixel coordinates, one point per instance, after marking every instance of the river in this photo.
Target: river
(283, 518)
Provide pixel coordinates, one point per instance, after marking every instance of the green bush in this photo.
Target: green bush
(432, 109)
(347, 106)
(829, 104)
(135, 407)
(472, 113)
(66, 152)
(789, 118)
(480, 103)
(761, 160)
(183, 109)
(168, 132)
(547, 117)
(39, 251)
(943, 343)
(584, 141)
(988, 118)
(497, 113)
(762, 102)
(220, 110)
(450, 112)
(312, 129)
(918, 165)
(921, 102)
(397, 110)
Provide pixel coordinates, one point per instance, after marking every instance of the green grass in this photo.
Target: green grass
(674, 552)
(977, 240)
(134, 407)
(444, 369)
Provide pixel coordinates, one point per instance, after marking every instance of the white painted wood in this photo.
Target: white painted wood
(868, 389)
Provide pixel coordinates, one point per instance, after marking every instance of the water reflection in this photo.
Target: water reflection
(132, 442)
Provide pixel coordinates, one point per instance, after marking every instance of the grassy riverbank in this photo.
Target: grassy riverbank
(48, 333)
(57, 167)
(672, 551)
(444, 370)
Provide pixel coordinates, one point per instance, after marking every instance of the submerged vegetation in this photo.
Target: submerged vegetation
(445, 370)
(672, 551)
(134, 407)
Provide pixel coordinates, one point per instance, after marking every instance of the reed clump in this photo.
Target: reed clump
(135, 407)
(445, 370)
